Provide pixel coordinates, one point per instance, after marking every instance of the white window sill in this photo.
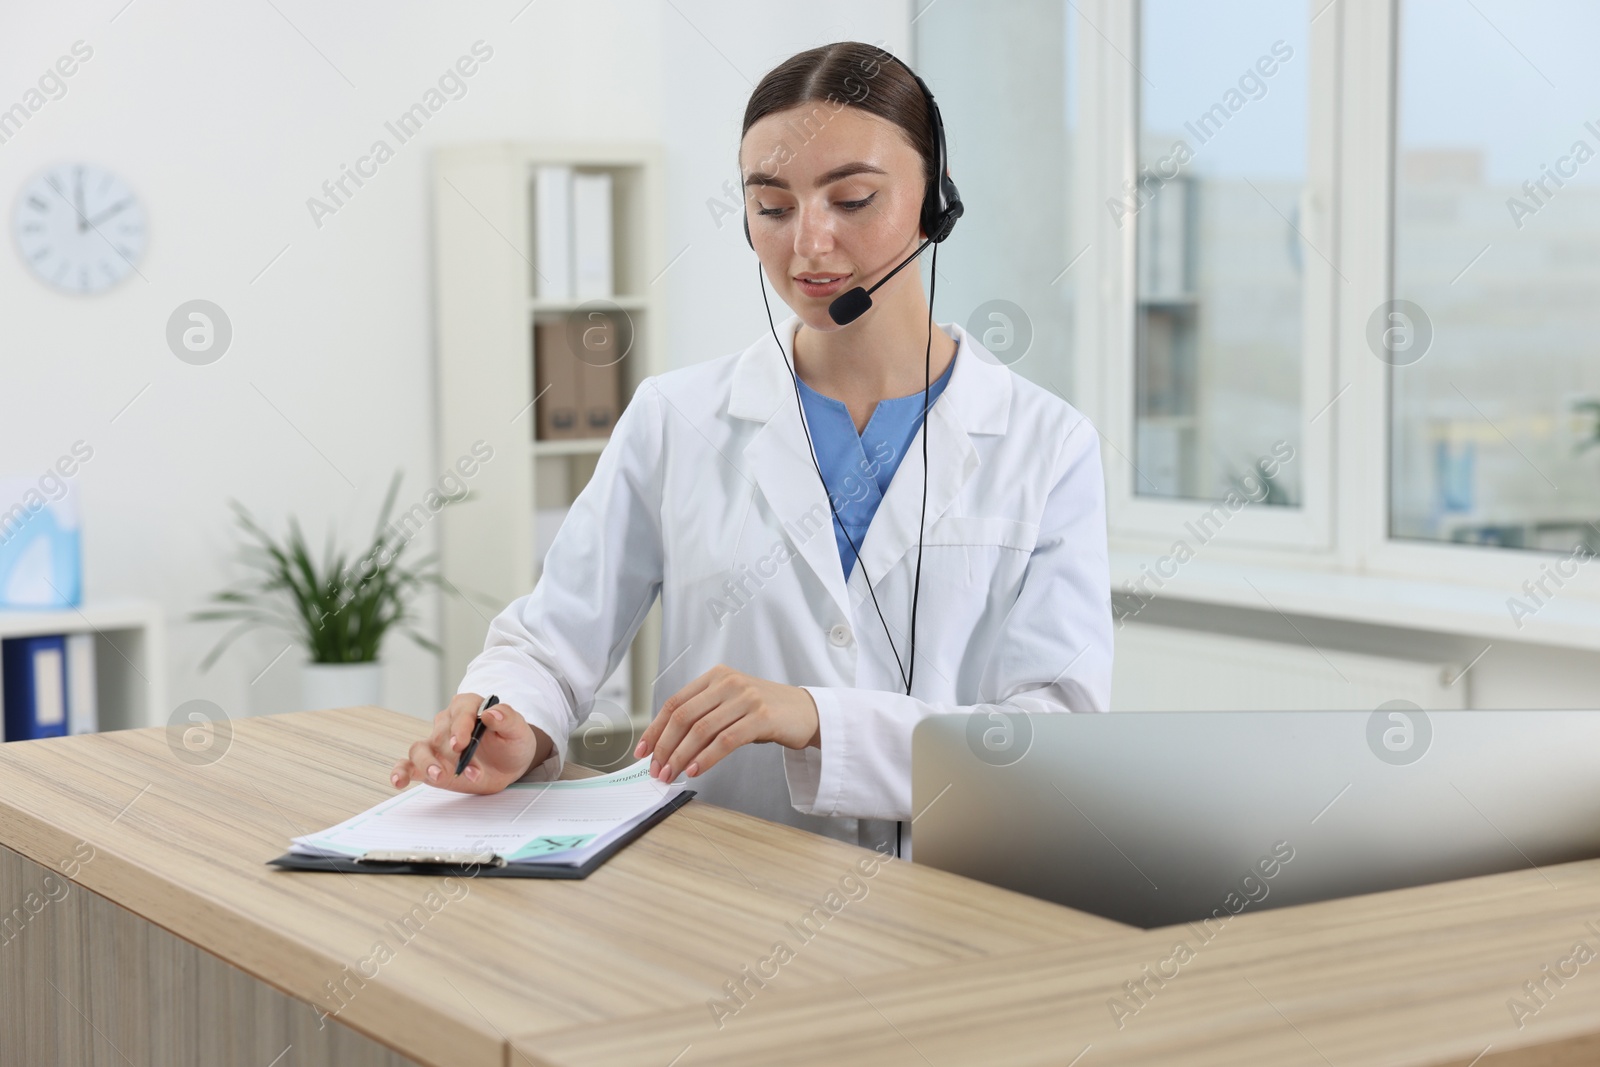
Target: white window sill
(1567, 620)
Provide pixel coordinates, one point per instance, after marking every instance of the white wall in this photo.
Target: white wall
(715, 53)
(224, 119)
(1002, 74)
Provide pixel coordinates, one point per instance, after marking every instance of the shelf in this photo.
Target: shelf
(583, 446)
(540, 306)
(1571, 621)
(488, 312)
(129, 659)
(112, 615)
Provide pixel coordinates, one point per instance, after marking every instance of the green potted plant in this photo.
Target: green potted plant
(339, 611)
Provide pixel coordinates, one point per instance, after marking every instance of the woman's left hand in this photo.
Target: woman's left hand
(721, 710)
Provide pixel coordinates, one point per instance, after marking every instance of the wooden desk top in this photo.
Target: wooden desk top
(659, 929)
(1416, 976)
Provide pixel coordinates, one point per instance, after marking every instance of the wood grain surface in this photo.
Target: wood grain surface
(1411, 977)
(90, 984)
(183, 842)
(669, 953)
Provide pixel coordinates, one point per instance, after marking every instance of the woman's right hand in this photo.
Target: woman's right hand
(509, 746)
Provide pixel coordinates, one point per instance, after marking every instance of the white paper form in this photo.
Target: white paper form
(538, 822)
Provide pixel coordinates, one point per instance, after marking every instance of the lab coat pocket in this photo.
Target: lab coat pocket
(981, 552)
(983, 530)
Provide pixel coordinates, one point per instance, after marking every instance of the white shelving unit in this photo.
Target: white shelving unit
(487, 302)
(130, 654)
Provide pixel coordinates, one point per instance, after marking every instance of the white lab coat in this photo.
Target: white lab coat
(706, 494)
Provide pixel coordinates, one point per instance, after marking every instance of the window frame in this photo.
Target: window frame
(1343, 524)
(1108, 319)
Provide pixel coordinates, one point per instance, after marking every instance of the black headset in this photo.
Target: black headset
(941, 203)
(941, 207)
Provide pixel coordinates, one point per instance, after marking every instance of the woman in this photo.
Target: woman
(796, 664)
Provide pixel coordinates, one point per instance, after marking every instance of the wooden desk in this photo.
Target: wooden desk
(175, 944)
(145, 928)
(1410, 977)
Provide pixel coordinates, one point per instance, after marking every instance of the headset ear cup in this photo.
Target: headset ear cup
(941, 203)
(744, 217)
(952, 197)
(939, 214)
(953, 209)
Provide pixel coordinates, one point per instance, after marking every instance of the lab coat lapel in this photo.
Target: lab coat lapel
(977, 400)
(893, 531)
(778, 461)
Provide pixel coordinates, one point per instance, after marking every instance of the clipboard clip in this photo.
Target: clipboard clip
(462, 859)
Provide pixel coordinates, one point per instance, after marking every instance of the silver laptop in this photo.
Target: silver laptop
(1155, 818)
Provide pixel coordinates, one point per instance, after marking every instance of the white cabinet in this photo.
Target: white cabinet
(487, 303)
(130, 655)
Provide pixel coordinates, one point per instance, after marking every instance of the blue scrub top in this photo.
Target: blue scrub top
(857, 468)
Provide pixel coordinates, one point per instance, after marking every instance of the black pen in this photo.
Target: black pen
(477, 733)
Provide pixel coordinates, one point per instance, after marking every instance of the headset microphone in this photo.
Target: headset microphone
(852, 305)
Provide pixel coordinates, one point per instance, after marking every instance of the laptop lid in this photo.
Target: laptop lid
(1155, 818)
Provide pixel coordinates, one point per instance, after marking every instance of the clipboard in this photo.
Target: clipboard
(485, 865)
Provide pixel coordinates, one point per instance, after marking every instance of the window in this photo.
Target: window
(1220, 260)
(1494, 338)
(1364, 235)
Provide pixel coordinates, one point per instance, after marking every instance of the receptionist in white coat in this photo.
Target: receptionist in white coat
(787, 643)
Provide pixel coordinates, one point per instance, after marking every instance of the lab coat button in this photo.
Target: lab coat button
(840, 635)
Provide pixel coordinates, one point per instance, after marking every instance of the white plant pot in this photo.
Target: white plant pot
(339, 685)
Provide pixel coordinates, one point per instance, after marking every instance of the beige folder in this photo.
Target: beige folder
(556, 375)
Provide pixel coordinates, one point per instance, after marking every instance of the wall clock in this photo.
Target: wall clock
(79, 228)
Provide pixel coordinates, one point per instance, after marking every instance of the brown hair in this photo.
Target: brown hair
(847, 73)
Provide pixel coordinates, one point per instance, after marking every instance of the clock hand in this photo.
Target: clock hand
(77, 196)
(108, 212)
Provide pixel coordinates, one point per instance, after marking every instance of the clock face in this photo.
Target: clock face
(79, 227)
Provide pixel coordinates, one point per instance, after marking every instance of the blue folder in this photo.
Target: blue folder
(35, 689)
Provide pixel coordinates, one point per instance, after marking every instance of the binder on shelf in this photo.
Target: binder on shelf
(599, 373)
(598, 391)
(555, 384)
(34, 670)
(579, 393)
(591, 236)
(552, 231)
(83, 705)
